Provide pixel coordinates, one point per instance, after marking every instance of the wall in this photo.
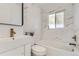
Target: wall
(76, 20)
(33, 23)
(32, 19)
(5, 31)
(64, 34)
(76, 16)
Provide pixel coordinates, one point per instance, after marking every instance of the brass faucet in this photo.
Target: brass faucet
(12, 32)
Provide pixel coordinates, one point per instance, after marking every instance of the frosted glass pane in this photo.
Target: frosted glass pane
(60, 20)
(52, 21)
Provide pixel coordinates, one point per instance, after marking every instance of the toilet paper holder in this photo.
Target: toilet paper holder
(29, 33)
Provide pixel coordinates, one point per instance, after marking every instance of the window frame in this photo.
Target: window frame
(55, 19)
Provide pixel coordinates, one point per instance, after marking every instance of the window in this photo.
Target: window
(56, 20)
(52, 21)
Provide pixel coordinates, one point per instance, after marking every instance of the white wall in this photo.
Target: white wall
(76, 16)
(33, 23)
(64, 34)
(5, 30)
(76, 20)
(32, 19)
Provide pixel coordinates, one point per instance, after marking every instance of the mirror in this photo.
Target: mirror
(11, 14)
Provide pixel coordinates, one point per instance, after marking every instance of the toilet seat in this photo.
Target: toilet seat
(38, 50)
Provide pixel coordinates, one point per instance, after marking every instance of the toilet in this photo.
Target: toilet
(38, 50)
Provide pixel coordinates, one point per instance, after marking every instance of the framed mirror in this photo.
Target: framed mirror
(11, 14)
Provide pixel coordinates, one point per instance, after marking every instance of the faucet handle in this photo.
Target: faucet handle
(74, 37)
(72, 44)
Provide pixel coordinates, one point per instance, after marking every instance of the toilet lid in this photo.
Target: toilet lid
(38, 48)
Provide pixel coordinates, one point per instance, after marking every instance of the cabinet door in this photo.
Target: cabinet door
(14, 52)
(28, 50)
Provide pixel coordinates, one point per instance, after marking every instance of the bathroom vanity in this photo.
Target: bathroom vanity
(17, 46)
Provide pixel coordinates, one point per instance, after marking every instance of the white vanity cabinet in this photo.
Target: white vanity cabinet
(19, 47)
(20, 51)
(14, 52)
(28, 50)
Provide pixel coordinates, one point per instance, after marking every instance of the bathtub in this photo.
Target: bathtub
(56, 48)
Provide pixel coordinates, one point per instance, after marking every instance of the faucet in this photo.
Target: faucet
(12, 32)
(72, 44)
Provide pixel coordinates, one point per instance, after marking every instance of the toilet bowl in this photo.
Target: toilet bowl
(38, 50)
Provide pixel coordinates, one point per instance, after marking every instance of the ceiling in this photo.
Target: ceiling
(47, 7)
